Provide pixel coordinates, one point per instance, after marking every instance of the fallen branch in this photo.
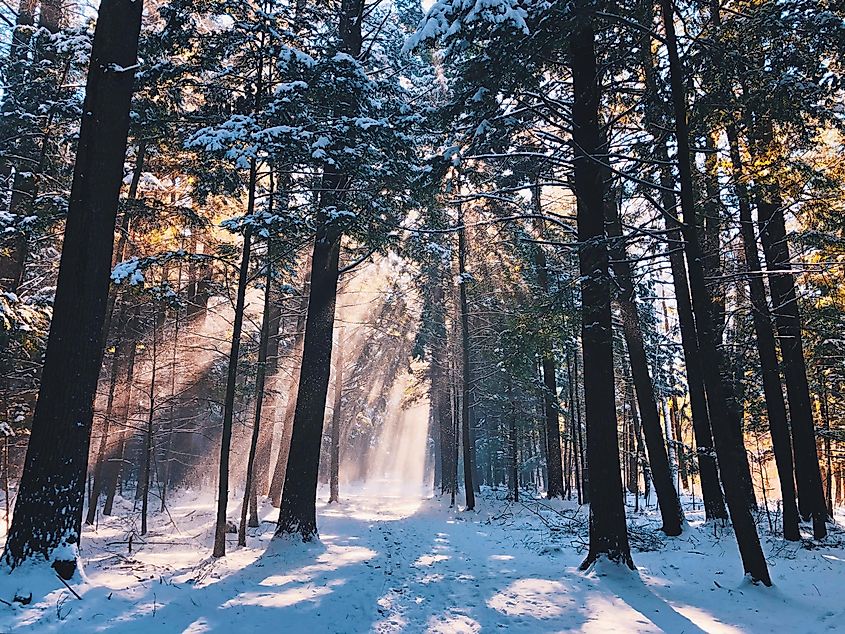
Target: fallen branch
(67, 585)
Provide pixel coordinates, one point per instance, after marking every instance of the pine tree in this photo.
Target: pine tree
(48, 513)
(608, 530)
(729, 445)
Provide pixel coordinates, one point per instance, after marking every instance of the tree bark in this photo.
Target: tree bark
(48, 513)
(334, 467)
(608, 530)
(513, 445)
(147, 457)
(298, 503)
(278, 480)
(551, 405)
(661, 471)
(714, 503)
(811, 503)
(766, 347)
(466, 383)
(441, 399)
(261, 374)
(263, 453)
(231, 379)
(729, 444)
(120, 357)
(114, 464)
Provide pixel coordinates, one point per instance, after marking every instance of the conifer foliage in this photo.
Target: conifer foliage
(598, 243)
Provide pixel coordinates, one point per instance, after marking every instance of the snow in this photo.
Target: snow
(128, 270)
(391, 564)
(447, 18)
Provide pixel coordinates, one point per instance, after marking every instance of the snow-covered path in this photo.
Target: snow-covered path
(398, 565)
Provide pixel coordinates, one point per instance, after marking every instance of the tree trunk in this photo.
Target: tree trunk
(608, 531)
(661, 471)
(298, 502)
(513, 445)
(119, 358)
(675, 418)
(263, 453)
(147, 457)
(466, 383)
(261, 373)
(824, 407)
(729, 444)
(440, 391)
(123, 234)
(231, 380)
(50, 16)
(114, 465)
(714, 503)
(550, 401)
(788, 322)
(334, 468)
(48, 513)
(711, 224)
(582, 474)
(766, 348)
(278, 480)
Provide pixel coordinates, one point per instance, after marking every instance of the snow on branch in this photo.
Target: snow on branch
(447, 18)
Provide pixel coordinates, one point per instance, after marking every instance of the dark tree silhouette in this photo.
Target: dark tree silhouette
(608, 530)
(48, 513)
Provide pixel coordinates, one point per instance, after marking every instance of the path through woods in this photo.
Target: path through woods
(388, 564)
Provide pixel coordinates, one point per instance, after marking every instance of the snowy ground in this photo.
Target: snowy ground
(414, 565)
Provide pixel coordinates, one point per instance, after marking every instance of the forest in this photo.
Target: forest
(422, 316)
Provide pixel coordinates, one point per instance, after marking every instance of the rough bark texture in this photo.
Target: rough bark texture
(297, 515)
(608, 530)
(298, 504)
(48, 512)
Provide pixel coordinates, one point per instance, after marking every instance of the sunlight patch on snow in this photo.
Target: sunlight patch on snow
(706, 621)
(200, 626)
(430, 560)
(453, 624)
(358, 505)
(540, 598)
(432, 578)
(284, 598)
